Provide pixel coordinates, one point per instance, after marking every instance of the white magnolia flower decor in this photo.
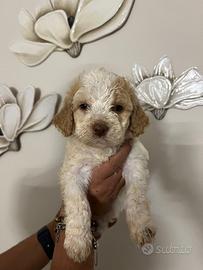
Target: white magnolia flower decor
(23, 114)
(162, 90)
(64, 25)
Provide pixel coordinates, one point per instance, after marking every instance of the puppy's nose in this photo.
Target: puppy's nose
(100, 128)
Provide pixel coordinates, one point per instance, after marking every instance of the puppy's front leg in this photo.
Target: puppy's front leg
(78, 236)
(137, 209)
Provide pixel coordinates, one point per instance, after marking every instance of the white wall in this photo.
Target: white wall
(29, 193)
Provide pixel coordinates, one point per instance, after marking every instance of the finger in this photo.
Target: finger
(112, 222)
(61, 212)
(106, 186)
(116, 162)
(118, 159)
(114, 179)
(118, 187)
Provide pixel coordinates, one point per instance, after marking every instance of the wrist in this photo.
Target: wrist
(46, 241)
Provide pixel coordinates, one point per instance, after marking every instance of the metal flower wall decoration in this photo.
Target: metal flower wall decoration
(161, 90)
(23, 114)
(64, 25)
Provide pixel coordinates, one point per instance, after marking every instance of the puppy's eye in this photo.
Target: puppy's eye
(117, 108)
(84, 106)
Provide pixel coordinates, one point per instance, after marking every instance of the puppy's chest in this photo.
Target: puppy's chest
(80, 159)
(80, 155)
(92, 156)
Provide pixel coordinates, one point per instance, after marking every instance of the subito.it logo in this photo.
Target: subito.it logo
(147, 249)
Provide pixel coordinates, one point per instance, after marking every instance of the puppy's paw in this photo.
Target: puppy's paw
(78, 247)
(144, 235)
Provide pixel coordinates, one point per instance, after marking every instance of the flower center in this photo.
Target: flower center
(71, 21)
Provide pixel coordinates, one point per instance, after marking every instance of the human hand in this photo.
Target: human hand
(105, 185)
(107, 182)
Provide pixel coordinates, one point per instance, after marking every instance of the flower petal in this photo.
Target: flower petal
(6, 96)
(10, 120)
(188, 86)
(26, 101)
(42, 114)
(27, 23)
(92, 15)
(112, 25)
(189, 103)
(32, 53)
(69, 6)
(139, 74)
(44, 7)
(3, 142)
(187, 76)
(3, 150)
(164, 68)
(54, 27)
(154, 91)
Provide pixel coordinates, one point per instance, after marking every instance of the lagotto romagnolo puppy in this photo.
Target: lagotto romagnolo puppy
(99, 112)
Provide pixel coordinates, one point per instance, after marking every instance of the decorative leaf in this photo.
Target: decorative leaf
(70, 6)
(26, 101)
(54, 27)
(10, 120)
(164, 68)
(32, 53)
(6, 96)
(27, 23)
(42, 114)
(139, 74)
(110, 26)
(92, 14)
(154, 91)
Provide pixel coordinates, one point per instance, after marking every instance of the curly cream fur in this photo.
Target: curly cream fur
(101, 90)
(64, 119)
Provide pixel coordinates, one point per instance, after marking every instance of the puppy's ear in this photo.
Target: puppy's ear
(139, 120)
(63, 120)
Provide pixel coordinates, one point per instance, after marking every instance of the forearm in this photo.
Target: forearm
(27, 255)
(62, 261)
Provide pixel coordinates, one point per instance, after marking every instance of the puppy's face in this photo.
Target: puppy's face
(101, 112)
(102, 106)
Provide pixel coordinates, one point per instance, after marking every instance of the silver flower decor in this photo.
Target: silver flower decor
(64, 25)
(162, 90)
(22, 114)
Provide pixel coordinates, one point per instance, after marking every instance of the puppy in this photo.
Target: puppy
(99, 112)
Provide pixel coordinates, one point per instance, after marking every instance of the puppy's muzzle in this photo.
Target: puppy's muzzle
(100, 128)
